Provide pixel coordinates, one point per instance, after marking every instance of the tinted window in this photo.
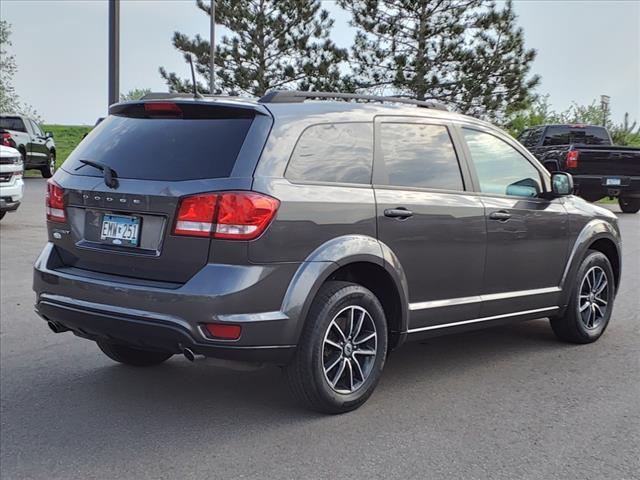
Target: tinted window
(556, 136)
(340, 152)
(162, 149)
(530, 137)
(418, 155)
(12, 123)
(501, 169)
(565, 135)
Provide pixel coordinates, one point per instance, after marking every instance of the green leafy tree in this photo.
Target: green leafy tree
(9, 99)
(539, 112)
(466, 53)
(134, 94)
(626, 133)
(273, 44)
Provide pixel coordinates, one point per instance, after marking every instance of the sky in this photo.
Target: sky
(586, 48)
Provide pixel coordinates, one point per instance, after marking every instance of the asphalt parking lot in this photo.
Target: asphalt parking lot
(506, 403)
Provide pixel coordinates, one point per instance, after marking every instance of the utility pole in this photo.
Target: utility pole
(212, 43)
(114, 51)
(604, 105)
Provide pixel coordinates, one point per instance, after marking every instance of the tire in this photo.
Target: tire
(629, 205)
(132, 356)
(48, 170)
(333, 370)
(2, 214)
(582, 322)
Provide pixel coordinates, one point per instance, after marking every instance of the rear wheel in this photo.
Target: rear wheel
(50, 168)
(591, 303)
(629, 205)
(342, 349)
(2, 214)
(132, 356)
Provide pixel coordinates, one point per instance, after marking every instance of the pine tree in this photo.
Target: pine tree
(273, 44)
(468, 54)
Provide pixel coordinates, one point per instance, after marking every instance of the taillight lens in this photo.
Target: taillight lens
(55, 202)
(227, 215)
(6, 140)
(572, 158)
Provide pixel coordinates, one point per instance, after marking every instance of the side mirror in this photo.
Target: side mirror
(561, 184)
(48, 134)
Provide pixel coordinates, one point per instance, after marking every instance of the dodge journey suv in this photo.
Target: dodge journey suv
(314, 233)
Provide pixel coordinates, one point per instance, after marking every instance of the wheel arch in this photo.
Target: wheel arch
(597, 235)
(359, 259)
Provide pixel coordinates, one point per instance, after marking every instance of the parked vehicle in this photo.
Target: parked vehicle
(11, 183)
(37, 148)
(316, 235)
(599, 168)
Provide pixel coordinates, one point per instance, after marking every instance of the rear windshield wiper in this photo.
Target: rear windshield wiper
(110, 175)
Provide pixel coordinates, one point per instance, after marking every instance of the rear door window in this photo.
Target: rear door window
(333, 153)
(162, 148)
(418, 155)
(12, 123)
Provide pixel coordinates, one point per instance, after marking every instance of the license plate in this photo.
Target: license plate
(613, 181)
(120, 230)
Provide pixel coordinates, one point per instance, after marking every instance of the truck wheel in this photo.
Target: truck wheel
(50, 168)
(342, 349)
(132, 356)
(2, 214)
(591, 302)
(629, 205)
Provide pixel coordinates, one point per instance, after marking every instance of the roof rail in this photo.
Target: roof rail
(293, 96)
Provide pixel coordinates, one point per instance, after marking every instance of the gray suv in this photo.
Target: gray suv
(317, 235)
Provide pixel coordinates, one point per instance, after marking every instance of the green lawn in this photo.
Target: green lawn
(66, 138)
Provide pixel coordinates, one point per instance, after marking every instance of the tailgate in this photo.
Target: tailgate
(608, 161)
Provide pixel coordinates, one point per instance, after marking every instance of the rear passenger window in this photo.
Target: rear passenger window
(418, 155)
(333, 153)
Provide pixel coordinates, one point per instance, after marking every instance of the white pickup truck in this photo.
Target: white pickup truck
(11, 183)
(36, 147)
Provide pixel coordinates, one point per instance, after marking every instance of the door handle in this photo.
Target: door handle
(500, 215)
(399, 212)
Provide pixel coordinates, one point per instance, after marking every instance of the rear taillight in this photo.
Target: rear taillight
(228, 215)
(55, 202)
(572, 159)
(6, 140)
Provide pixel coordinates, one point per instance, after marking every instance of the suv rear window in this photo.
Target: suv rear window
(162, 148)
(566, 135)
(12, 123)
(333, 153)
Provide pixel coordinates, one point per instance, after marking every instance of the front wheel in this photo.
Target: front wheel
(342, 349)
(591, 303)
(50, 168)
(132, 356)
(629, 205)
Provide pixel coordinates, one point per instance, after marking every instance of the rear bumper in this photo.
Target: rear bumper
(595, 185)
(148, 316)
(11, 194)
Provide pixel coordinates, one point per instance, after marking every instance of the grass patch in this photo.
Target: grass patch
(66, 138)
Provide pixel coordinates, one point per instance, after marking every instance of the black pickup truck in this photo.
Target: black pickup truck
(599, 168)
